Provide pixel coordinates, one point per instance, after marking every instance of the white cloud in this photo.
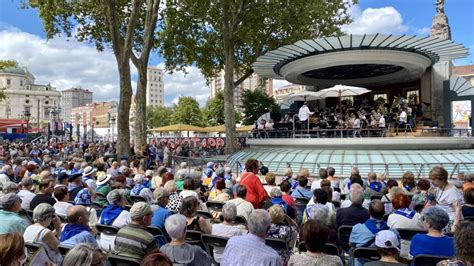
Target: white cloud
(375, 20)
(278, 83)
(423, 31)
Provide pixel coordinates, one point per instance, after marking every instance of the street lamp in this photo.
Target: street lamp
(27, 116)
(111, 124)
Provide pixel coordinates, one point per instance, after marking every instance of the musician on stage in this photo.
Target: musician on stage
(402, 119)
(304, 114)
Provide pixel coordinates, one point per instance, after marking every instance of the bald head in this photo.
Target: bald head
(7, 169)
(376, 209)
(77, 215)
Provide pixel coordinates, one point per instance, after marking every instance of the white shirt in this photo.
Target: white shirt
(61, 207)
(304, 113)
(186, 193)
(357, 123)
(403, 117)
(382, 121)
(347, 203)
(26, 197)
(223, 230)
(446, 198)
(244, 208)
(122, 220)
(316, 184)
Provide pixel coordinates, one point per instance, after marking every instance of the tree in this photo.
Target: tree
(230, 35)
(128, 27)
(8, 63)
(214, 111)
(256, 103)
(187, 112)
(159, 116)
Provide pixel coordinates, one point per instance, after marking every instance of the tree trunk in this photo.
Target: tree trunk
(123, 125)
(140, 110)
(229, 59)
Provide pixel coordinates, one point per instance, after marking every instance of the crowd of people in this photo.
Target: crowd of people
(61, 197)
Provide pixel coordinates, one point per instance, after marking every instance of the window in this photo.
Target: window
(21, 82)
(413, 96)
(9, 82)
(380, 95)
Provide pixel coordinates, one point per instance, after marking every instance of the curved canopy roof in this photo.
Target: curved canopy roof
(13, 70)
(351, 57)
(393, 162)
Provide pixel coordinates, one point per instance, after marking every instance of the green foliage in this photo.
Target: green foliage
(159, 116)
(257, 103)
(214, 113)
(8, 63)
(187, 112)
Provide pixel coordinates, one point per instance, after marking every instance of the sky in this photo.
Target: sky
(66, 63)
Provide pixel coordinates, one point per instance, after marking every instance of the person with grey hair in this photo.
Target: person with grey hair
(178, 251)
(26, 194)
(115, 213)
(44, 215)
(348, 201)
(84, 254)
(140, 189)
(175, 199)
(179, 178)
(435, 220)
(226, 228)
(355, 213)
(10, 206)
(5, 174)
(250, 249)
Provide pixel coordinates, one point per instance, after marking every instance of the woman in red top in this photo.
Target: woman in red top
(255, 191)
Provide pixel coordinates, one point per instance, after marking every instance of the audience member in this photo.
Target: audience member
(12, 249)
(226, 228)
(84, 198)
(419, 198)
(270, 179)
(250, 249)
(277, 199)
(320, 197)
(435, 219)
(280, 226)
(189, 209)
(219, 193)
(10, 206)
(393, 190)
(323, 174)
(468, 208)
(160, 215)
(315, 237)
(84, 254)
(256, 194)
(43, 216)
(301, 191)
(244, 208)
(133, 240)
(140, 189)
(62, 204)
(408, 183)
(26, 194)
(115, 213)
(387, 245)
(285, 188)
(75, 184)
(46, 188)
(175, 199)
(335, 183)
(178, 251)
(375, 188)
(88, 177)
(355, 213)
(333, 196)
(464, 245)
(77, 229)
(363, 234)
(103, 187)
(347, 202)
(156, 258)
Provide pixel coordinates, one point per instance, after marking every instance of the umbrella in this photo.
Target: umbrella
(341, 91)
(244, 129)
(219, 129)
(303, 96)
(179, 128)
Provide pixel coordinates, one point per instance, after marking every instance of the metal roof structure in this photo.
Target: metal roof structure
(381, 54)
(393, 162)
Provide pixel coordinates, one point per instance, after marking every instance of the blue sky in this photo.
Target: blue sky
(67, 63)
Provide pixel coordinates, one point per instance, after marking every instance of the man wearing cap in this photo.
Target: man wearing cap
(27, 185)
(387, 244)
(77, 231)
(75, 184)
(88, 177)
(115, 213)
(162, 197)
(10, 221)
(134, 240)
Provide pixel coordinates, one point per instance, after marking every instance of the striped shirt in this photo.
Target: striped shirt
(134, 241)
(249, 250)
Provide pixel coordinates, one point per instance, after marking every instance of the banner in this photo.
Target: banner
(196, 142)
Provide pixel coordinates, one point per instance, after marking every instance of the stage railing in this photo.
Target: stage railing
(447, 132)
(319, 133)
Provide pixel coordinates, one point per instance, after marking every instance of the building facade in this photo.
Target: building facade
(466, 72)
(155, 89)
(25, 99)
(251, 83)
(71, 98)
(97, 116)
(286, 90)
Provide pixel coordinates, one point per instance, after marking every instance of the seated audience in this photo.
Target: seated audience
(219, 193)
(280, 227)
(256, 194)
(155, 258)
(140, 189)
(103, 186)
(46, 188)
(315, 237)
(270, 180)
(464, 240)
(277, 199)
(333, 196)
(84, 254)
(408, 183)
(175, 200)
(12, 249)
(75, 184)
(44, 215)
(10, 206)
(178, 251)
(133, 240)
(387, 245)
(62, 197)
(285, 188)
(419, 198)
(115, 213)
(189, 209)
(363, 234)
(84, 198)
(335, 183)
(250, 249)
(355, 213)
(323, 174)
(301, 191)
(320, 213)
(160, 215)
(375, 188)
(347, 202)
(320, 196)
(226, 228)
(77, 229)
(468, 208)
(26, 193)
(244, 208)
(393, 190)
(435, 219)
(188, 189)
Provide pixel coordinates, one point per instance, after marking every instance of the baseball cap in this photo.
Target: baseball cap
(140, 209)
(387, 239)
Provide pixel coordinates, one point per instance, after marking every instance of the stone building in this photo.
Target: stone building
(71, 98)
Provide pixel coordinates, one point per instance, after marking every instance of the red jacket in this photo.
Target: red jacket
(255, 191)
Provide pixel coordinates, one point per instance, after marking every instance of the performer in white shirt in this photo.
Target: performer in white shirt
(402, 120)
(304, 115)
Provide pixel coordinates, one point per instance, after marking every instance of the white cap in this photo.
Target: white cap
(387, 239)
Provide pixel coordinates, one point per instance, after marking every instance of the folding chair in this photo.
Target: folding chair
(215, 205)
(107, 236)
(194, 238)
(64, 249)
(31, 248)
(136, 199)
(343, 234)
(212, 242)
(156, 231)
(205, 214)
(366, 254)
(428, 260)
(276, 244)
(239, 219)
(408, 234)
(331, 249)
(23, 214)
(116, 260)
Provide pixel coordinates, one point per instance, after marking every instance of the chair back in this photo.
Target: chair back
(204, 214)
(301, 201)
(469, 218)
(135, 199)
(23, 214)
(428, 260)
(116, 260)
(369, 254)
(343, 234)
(276, 244)
(30, 215)
(210, 242)
(64, 249)
(329, 249)
(155, 231)
(408, 234)
(193, 237)
(239, 219)
(337, 204)
(379, 197)
(31, 248)
(107, 229)
(215, 205)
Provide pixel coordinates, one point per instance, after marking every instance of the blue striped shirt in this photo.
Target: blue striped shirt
(249, 250)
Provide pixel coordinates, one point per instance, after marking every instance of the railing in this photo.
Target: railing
(319, 133)
(448, 132)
